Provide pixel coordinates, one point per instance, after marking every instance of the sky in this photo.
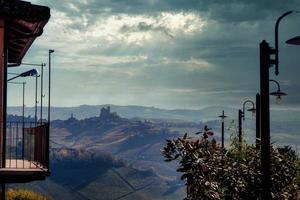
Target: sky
(163, 53)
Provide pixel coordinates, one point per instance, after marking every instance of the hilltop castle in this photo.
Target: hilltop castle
(107, 115)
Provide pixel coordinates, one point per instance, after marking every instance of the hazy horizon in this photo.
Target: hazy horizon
(274, 107)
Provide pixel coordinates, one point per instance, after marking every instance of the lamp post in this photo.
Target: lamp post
(36, 102)
(265, 120)
(265, 63)
(42, 90)
(241, 115)
(223, 116)
(49, 84)
(258, 117)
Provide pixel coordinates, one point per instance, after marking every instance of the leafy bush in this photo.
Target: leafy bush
(23, 194)
(211, 172)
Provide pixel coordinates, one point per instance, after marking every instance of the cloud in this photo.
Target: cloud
(191, 64)
(223, 10)
(176, 53)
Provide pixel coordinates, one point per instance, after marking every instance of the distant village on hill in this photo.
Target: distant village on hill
(105, 116)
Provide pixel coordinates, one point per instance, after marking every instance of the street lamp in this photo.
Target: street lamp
(36, 101)
(258, 117)
(42, 89)
(265, 63)
(32, 72)
(223, 116)
(241, 116)
(35, 73)
(49, 84)
(253, 109)
(278, 94)
(295, 40)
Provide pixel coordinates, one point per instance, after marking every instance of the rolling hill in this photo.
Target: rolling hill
(82, 175)
(137, 141)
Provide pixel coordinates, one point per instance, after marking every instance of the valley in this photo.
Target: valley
(135, 144)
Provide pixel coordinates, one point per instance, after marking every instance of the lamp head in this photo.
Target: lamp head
(32, 72)
(294, 41)
(253, 111)
(223, 116)
(51, 51)
(278, 94)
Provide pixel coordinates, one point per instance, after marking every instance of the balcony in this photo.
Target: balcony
(27, 152)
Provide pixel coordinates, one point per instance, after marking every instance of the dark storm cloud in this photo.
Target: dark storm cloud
(226, 11)
(222, 10)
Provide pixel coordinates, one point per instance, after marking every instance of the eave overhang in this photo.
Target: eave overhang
(24, 22)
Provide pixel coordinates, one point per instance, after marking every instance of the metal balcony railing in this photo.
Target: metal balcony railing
(27, 145)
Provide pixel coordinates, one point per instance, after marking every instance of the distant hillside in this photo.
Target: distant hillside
(136, 141)
(87, 111)
(109, 133)
(101, 177)
(204, 114)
